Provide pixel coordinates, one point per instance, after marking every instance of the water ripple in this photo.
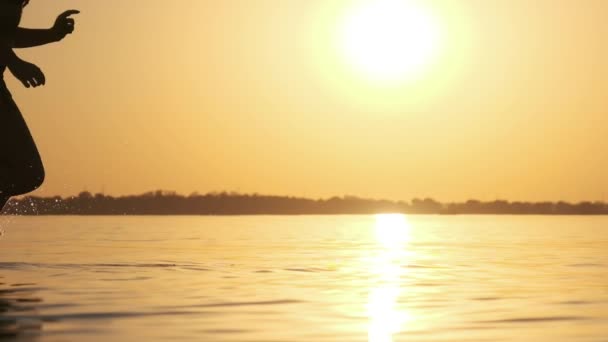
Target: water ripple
(536, 319)
(256, 303)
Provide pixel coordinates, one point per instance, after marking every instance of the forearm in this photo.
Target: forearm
(25, 38)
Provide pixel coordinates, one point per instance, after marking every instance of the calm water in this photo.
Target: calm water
(343, 278)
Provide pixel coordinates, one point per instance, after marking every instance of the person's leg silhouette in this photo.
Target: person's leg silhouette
(21, 169)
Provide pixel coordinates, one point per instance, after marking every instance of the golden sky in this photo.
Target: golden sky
(257, 96)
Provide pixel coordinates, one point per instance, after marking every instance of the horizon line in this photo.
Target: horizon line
(304, 197)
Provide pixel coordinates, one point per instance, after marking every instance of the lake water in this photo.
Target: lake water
(304, 278)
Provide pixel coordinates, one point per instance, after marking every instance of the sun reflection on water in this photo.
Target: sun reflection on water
(392, 233)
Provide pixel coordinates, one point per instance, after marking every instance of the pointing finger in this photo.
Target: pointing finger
(68, 13)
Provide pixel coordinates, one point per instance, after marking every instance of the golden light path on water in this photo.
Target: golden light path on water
(392, 233)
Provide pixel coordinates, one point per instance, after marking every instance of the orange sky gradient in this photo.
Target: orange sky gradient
(255, 96)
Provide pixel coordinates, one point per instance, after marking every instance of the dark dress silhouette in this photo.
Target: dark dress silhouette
(21, 169)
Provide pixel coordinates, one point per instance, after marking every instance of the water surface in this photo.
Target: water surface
(304, 278)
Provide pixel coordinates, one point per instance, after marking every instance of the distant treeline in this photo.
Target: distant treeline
(171, 203)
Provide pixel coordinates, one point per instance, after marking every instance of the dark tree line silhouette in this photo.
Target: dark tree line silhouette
(224, 203)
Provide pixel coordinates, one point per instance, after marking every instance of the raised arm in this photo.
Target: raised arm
(25, 38)
(64, 25)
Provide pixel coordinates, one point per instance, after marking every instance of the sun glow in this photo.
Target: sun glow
(390, 40)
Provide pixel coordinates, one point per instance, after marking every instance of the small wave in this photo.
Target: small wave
(537, 319)
(423, 284)
(133, 314)
(309, 270)
(133, 265)
(414, 266)
(240, 304)
(4, 292)
(14, 265)
(126, 279)
(484, 299)
(23, 284)
(587, 265)
(575, 302)
(104, 315)
(268, 302)
(28, 300)
(196, 269)
(21, 265)
(225, 331)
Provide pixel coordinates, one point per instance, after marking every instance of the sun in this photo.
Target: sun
(389, 40)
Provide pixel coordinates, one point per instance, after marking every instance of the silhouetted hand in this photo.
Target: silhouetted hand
(29, 74)
(64, 25)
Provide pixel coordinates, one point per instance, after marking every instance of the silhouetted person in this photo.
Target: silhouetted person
(21, 169)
